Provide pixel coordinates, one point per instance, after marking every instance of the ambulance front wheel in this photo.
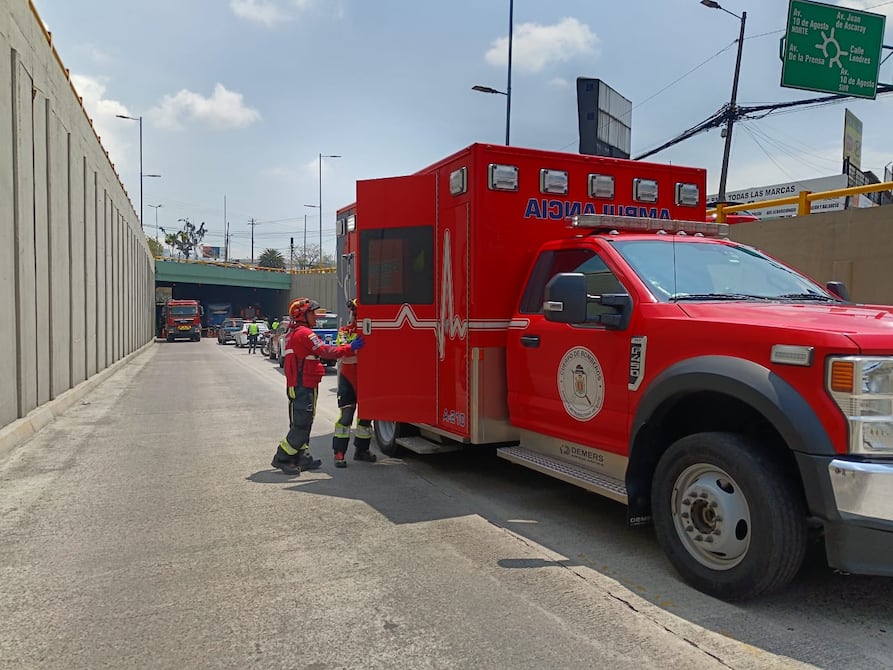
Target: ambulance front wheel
(386, 433)
(728, 516)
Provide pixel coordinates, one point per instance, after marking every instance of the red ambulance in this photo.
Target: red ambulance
(578, 313)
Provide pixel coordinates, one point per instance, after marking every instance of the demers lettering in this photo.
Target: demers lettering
(557, 210)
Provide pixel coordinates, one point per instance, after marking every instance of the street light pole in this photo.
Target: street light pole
(321, 156)
(508, 88)
(140, 120)
(732, 110)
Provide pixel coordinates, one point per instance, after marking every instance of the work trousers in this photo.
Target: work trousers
(301, 410)
(347, 403)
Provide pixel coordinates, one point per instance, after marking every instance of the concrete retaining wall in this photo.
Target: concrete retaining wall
(76, 275)
(854, 246)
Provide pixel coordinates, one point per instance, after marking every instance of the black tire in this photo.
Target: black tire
(730, 519)
(386, 434)
(170, 338)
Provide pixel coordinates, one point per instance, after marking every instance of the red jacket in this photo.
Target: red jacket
(303, 349)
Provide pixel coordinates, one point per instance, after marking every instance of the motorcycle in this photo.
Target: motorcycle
(263, 343)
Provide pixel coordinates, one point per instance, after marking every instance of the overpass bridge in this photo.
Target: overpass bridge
(267, 290)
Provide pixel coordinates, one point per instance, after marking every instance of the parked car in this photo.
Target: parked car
(327, 330)
(241, 336)
(277, 340)
(228, 329)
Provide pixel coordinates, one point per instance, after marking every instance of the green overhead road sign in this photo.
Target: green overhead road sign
(832, 49)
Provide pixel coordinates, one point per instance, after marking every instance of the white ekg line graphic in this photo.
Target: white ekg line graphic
(448, 324)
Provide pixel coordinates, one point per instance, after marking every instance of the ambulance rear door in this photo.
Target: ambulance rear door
(396, 223)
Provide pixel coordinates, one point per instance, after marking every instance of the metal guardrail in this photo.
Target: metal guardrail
(803, 200)
(243, 266)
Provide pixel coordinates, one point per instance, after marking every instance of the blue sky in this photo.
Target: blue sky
(239, 97)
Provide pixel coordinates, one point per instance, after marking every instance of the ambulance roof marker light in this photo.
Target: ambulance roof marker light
(647, 224)
(553, 181)
(502, 177)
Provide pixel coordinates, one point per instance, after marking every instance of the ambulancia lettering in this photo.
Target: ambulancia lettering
(556, 210)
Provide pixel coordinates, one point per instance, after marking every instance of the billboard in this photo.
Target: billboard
(852, 139)
(210, 252)
(604, 118)
(787, 190)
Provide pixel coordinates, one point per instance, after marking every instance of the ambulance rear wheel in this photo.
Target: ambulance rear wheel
(730, 519)
(386, 434)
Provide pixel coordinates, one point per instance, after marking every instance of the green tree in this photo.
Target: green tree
(271, 258)
(155, 246)
(310, 260)
(185, 240)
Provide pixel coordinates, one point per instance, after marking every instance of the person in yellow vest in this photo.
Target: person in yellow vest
(253, 332)
(347, 401)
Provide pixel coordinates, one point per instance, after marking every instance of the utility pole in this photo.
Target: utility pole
(291, 254)
(252, 223)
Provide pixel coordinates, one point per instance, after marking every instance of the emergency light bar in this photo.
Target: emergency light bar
(641, 224)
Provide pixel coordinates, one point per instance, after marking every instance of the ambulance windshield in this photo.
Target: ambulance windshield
(679, 270)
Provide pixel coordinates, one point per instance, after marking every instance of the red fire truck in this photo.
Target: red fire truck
(182, 319)
(578, 313)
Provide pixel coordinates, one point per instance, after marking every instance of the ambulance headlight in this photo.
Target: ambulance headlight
(688, 195)
(553, 181)
(645, 190)
(601, 186)
(862, 387)
(503, 177)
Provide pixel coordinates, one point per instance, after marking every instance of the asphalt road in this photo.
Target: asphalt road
(145, 529)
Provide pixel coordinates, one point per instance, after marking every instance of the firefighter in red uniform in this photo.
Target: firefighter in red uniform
(347, 400)
(303, 372)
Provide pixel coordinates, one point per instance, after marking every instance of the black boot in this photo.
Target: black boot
(305, 461)
(284, 462)
(364, 455)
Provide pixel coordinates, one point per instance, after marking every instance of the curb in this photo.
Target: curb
(16, 433)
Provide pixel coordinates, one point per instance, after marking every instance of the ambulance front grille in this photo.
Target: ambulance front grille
(567, 472)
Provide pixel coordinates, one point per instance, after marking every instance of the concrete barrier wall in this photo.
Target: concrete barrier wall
(322, 287)
(854, 246)
(76, 276)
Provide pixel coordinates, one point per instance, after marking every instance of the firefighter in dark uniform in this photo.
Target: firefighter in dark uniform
(303, 372)
(347, 401)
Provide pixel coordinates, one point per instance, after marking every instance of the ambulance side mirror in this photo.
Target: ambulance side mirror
(839, 289)
(566, 298)
(567, 301)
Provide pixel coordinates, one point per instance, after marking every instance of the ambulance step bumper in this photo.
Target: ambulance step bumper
(572, 474)
(422, 446)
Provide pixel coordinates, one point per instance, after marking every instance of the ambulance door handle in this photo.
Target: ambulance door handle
(530, 340)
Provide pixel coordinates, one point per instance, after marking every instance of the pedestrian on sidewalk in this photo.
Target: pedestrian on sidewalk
(303, 372)
(347, 400)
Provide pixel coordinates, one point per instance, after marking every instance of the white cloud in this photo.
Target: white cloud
(103, 111)
(224, 109)
(534, 47)
(559, 82)
(873, 6)
(260, 11)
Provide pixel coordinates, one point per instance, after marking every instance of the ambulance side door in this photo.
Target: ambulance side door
(570, 381)
(397, 313)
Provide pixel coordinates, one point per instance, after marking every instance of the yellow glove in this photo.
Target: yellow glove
(291, 392)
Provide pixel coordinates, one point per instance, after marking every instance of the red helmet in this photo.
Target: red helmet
(299, 307)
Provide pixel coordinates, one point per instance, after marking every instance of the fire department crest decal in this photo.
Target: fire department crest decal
(581, 383)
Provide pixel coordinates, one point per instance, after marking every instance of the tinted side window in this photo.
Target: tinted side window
(397, 265)
(599, 278)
